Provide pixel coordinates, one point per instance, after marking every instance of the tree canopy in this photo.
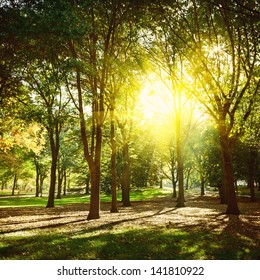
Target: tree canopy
(125, 94)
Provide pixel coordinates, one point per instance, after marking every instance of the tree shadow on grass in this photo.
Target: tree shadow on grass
(139, 232)
(197, 215)
(59, 217)
(153, 243)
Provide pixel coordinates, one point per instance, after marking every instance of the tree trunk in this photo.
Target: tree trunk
(114, 208)
(50, 203)
(161, 183)
(232, 206)
(68, 183)
(188, 178)
(251, 173)
(37, 179)
(202, 182)
(37, 185)
(42, 177)
(54, 153)
(64, 182)
(14, 183)
(94, 208)
(174, 192)
(174, 183)
(87, 185)
(180, 199)
(236, 185)
(223, 189)
(60, 178)
(126, 176)
(95, 174)
(92, 150)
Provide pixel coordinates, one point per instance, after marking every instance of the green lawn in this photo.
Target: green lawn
(136, 195)
(25, 201)
(134, 243)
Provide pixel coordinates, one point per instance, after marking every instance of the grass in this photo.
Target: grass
(24, 201)
(134, 243)
(244, 191)
(129, 241)
(136, 195)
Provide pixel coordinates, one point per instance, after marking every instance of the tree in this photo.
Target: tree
(206, 155)
(120, 80)
(168, 59)
(127, 119)
(96, 81)
(221, 57)
(93, 64)
(41, 167)
(39, 72)
(18, 143)
(48, 103)
(250, 140)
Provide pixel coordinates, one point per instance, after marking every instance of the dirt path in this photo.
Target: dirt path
(200, 213)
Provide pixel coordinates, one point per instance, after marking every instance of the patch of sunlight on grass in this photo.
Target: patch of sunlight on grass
(134, 243)
(2, 244)
(20, 233)
(151, 193)
(136, 195)
(72, 200)
(196, 251)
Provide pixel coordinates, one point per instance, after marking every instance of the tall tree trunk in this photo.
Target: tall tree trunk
(54, 158)
(95, 174)
(251, 173)
(87, 184)
(14, 183)
(180, 199)
(37, 179)
(126, 176)
(188, 178)
(232, 206)
(94, 164)
(64, 182)
(174, 192)
(174, 183)
(92, 152)
(42, 178)
(223, 188)
(114, 208)
(60, 179)
(94, 208)
(37, 185)
(161, 183)
(202, 183)
(50, 202)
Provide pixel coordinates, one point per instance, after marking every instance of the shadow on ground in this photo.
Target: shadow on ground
(147, 230)
(153, 243)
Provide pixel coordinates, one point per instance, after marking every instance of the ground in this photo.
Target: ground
(152, 229)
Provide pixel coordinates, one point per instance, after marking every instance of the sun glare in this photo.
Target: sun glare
(160, 104)
(156, 101)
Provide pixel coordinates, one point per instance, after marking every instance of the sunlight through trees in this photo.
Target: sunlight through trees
(109, 96)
